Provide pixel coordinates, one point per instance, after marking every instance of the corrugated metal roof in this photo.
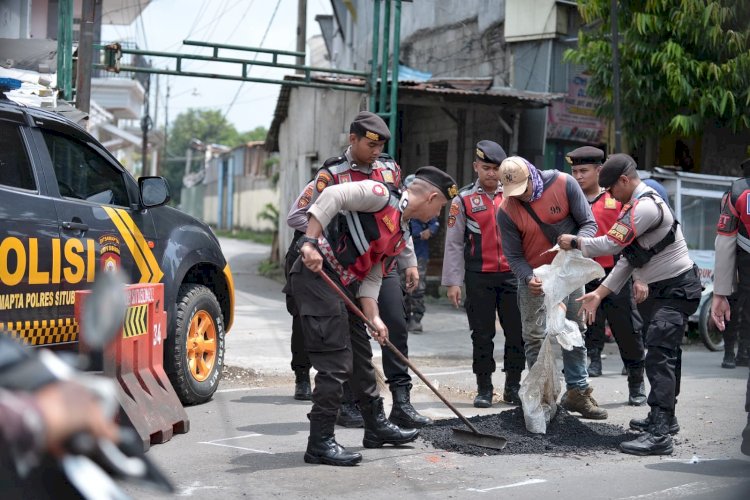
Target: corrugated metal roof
(434, 92)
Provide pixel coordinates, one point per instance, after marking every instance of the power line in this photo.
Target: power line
(262, 41)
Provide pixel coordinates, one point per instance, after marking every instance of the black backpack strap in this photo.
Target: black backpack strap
(548, 230)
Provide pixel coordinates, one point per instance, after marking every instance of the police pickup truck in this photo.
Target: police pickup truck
(69, 211)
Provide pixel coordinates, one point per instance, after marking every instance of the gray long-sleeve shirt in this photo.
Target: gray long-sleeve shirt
(646, 213)
(579, 220)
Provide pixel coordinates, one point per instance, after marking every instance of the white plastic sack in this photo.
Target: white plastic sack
(539, 390)
(568, 272)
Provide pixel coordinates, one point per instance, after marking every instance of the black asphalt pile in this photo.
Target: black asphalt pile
(565, 434)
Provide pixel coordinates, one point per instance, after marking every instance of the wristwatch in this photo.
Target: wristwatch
(574, 243)
(306, 239)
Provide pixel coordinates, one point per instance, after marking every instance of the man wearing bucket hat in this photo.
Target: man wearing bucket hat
(539, 206)
(354, 229)
(667, 287)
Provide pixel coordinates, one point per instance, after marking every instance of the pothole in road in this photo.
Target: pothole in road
(566, 434)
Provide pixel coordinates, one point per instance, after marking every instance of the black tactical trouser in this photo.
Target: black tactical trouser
(300, 359)
(620, 310)
(336, 342)
(415, 300)
(737, 330)
(487, 295)
(665, 313)
(392, 308)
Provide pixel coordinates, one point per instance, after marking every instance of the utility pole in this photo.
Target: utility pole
(152, 170)
(301, 33)
(85, 56)
(616, 74)
(145, 126)
(166, 121)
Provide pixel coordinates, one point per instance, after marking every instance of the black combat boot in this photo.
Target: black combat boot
(729, 343)
(349, 413)
(512, 385)
(403, 413)
(595, 367)
(656, 441)
(642, 424)
(414, 325)
(743, 354)
(484, 391)
(745, 447)
(302, 389)
(322, 447)
(379, 430)
(636, 387)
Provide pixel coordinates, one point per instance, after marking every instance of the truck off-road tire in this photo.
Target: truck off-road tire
(198, 345)
(710, 335)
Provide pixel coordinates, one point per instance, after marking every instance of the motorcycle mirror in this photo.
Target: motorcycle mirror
(104, 310)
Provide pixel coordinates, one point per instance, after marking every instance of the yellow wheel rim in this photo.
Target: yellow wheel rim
(201, 346)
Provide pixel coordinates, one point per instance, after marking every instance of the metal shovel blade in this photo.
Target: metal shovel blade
(479, 439)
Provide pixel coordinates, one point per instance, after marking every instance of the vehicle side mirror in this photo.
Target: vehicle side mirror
(154, 191)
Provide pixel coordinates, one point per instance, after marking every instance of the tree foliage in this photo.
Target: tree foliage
(209, 127)
(683, 63)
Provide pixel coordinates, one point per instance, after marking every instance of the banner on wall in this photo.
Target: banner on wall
(574, 118)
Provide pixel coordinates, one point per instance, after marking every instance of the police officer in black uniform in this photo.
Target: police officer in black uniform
(617, 309)
(732, 269)
(369, 127)
(353, 228)
(666, 285)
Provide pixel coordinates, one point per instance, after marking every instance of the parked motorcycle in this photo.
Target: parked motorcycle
(90, 466)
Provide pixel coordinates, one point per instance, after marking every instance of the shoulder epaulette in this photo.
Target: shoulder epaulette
(334, 161)
(384, 156)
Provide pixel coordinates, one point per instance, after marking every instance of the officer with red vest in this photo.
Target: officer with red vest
(539, 206)
(354, 228)
(732, 268)
(364, 160)
(666, 285)
(474, 257)
(618, 309)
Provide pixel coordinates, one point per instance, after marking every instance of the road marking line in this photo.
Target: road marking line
(252, 434)
(514, 485)
(675, 491)
(238, 448)
(238, 389)
(447, 373)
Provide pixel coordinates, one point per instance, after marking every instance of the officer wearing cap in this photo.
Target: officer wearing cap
(353, 230)
(474, 257)
(666, 285)
(538, 206)
(732, 273)
(364, 159)
(619, 309)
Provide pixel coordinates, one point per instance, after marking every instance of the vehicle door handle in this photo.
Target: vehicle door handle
(75, 226)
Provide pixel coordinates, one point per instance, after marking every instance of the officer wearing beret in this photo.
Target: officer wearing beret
(354, 229)
(732, 274)
(364, 159)
(619, 309)
(474, 257)
(666, 285)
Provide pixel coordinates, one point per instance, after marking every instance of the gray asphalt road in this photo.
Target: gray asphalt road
(249, 440)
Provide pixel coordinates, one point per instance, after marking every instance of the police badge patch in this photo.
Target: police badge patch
(610, 203)
(323, 180)
(347, 177)
(387, 176)
(389, 223)
(452, 214)
(477, 204)
(304, 200)
(621, 233)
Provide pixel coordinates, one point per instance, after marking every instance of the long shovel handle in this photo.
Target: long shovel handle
(356, 310)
